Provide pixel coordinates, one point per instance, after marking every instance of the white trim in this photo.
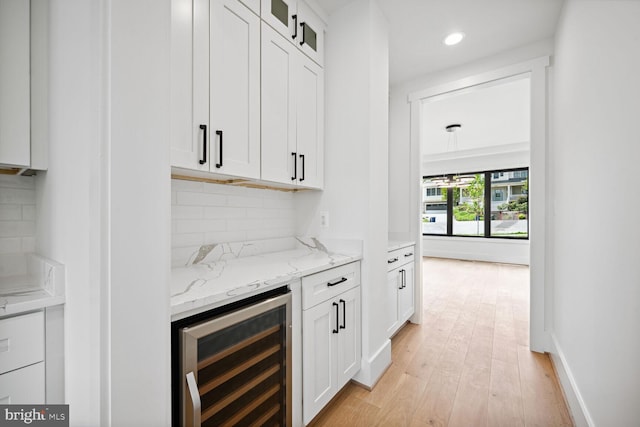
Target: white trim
(577, 407)
(480, 79)
(537, 68)
(371, 370)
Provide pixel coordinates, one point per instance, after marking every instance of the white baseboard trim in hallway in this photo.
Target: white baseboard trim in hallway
(577, 407)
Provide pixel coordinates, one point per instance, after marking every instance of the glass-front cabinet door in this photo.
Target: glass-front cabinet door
(310, 33)
(298, 23)
(281, 15)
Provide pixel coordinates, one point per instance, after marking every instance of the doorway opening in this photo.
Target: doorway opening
(501, 128)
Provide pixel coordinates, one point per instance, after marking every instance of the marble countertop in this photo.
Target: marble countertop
(393, 245)
(220, 274)
(41, 286)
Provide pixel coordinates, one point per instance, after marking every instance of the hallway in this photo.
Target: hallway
(468, 364)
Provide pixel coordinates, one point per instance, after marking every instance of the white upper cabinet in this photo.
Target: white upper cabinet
(297, 23)
(216, 87)
(292, 114)
(15, 138)
(279, 59)
(24, 84)
(310, 123)
(247, 98)
(234, 69)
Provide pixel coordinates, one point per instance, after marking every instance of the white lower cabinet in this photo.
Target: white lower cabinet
(22, 354)
(331, 329)
(23, 386)
(400, 290)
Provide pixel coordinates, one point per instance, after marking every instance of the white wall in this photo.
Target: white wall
(104, 205)
(68, 223)
(138, 205)
(356, 168)
(510, 251)
(17, 223)
(595, 147)
(205, 213)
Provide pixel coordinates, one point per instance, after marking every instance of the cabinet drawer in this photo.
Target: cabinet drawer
(329, 283)
(21, 341)
(23, 386)
(399, 257)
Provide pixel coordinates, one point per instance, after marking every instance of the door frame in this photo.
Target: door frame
(540, 256)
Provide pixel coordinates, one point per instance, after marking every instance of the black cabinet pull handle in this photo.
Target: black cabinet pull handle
(295, 166)
(302, 24)
(401, 279)
(204, 145)
(392, 260)
(302, 177)
(404, 279)
(335, 304)
(408, 254)
(295, 26)
(219, 133)
(344, 279)
(344, 314)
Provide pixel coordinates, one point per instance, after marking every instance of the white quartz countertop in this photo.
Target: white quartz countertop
(221, 274)
(41, 286)
(393, 245)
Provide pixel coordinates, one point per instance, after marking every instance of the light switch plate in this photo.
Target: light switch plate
(324, 219)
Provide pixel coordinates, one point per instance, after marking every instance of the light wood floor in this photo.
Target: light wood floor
(467, 365)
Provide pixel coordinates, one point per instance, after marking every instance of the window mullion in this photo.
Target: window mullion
(450, 211)
(487, 204)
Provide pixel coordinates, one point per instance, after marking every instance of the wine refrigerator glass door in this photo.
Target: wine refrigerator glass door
(236, 368)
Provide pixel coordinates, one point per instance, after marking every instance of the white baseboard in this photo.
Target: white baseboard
(577, 407)
(373, 368)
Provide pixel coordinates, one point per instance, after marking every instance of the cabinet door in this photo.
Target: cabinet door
(189, 83)
(406, 294)
(15, 136)
(310, 123)
(391, 306)
(349, 347)
(234, 68)
(279, 154)
(310, 33)
(279, 14)
(319, 328)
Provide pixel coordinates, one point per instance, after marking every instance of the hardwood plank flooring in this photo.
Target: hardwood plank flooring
(468, 364)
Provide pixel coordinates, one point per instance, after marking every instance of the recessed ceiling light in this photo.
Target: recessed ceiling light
(453, 38)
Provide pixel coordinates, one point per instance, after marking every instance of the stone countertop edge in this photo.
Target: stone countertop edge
(393, 245)
(43, 286)
(223, 294)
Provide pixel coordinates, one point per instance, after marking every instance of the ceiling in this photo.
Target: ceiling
(417, 28)
(491, 115)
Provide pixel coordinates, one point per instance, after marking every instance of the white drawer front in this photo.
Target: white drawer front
(23, 386)
(329, 283)
(21, 341)
(399, 257)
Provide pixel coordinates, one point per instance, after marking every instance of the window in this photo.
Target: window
(434, 214)
(481, 204)
(431, 192)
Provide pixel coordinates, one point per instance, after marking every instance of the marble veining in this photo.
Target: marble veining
(222, 273)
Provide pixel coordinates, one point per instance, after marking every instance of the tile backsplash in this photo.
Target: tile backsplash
(204, 213)
(17, 223)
